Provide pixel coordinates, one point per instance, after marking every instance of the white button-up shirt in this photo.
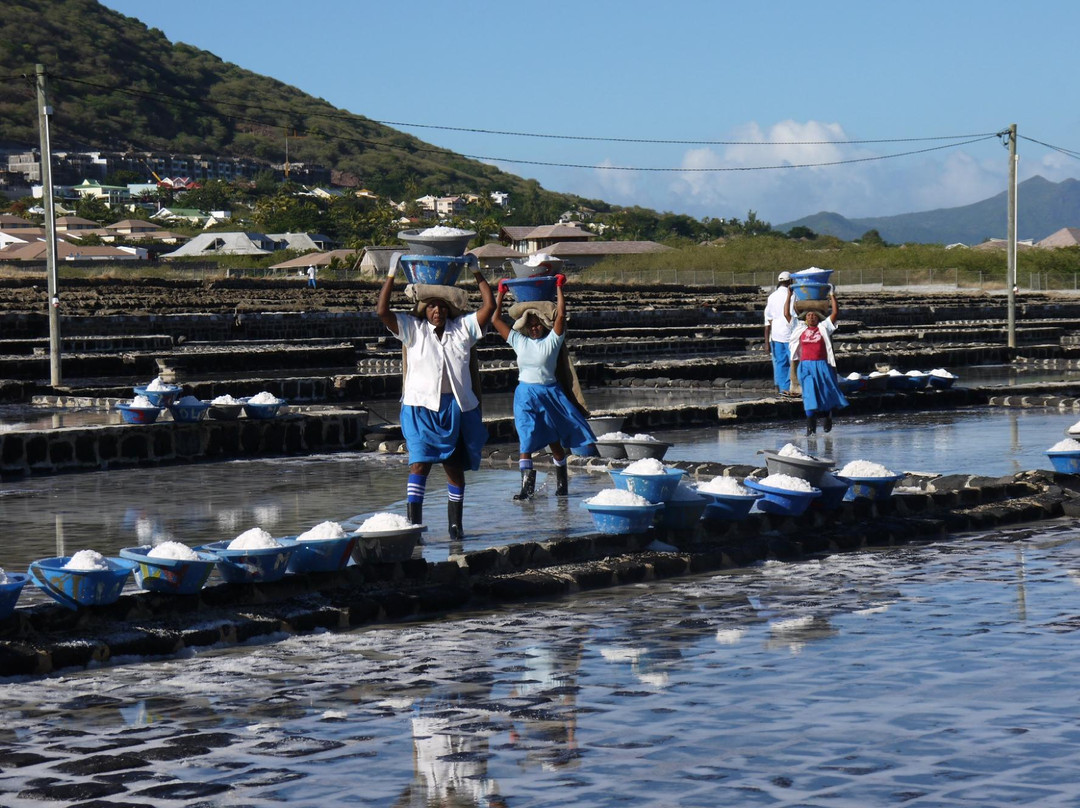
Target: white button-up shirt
(429, 357)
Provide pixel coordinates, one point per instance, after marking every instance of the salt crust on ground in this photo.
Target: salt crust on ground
(864, 468)
(254, 539)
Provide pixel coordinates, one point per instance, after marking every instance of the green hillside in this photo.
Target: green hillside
(118, 85)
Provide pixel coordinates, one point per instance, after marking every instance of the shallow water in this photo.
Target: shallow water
(942, 675)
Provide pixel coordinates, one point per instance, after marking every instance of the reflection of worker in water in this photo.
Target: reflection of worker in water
(548, 735)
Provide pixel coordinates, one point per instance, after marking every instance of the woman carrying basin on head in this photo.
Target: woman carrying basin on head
(441, 419)
(815, 364)
(544, 414)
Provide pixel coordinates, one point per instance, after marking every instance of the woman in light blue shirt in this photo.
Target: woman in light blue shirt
(544, 414)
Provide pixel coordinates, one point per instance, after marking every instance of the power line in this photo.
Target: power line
(1067, 152)
(551, 164)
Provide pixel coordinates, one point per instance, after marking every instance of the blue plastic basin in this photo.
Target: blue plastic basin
(781, 500)
(76, 588)
(622, 519)
(257, 565)
(171, 575)
(188, 413)
(1065, 462)
(654, 487)
(138, 415)
(10, 591)
(875, 488)
(942, 382)
(529, 290)
(320, 555)
(731, 507)
(805, 276)
(262, 412)
(160, 398)
(833, 490)
(439, 270)
(810, 291)
(681, 514)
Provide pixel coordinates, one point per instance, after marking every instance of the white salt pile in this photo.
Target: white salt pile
(141, 403)
(1067, 445)
(254, 539)
(3, 576)
(894, 372)
(226, 400)
(174, 550)
(942, 373)
(684, 493)
(385, 521)
(875, 373)
(614, 436)
(791, 450)
(536, 259)
(914, 373)
(265, 398)
(157, 385)
(617, 496)
(1074, 429)
(643, 437)
(648, 466)
(786, 482)
(864, 468)
(725, 485)
(854, 376)
(323, 532)
(443, 230)
(87, 560)
(189, 401)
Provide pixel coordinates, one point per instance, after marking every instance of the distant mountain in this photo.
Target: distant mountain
(117, 85)
(1042, 208)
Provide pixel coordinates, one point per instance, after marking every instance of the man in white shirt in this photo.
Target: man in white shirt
(777, 334)
(440, 411)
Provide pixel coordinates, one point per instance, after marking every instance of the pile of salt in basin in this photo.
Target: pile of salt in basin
(786, 482)
(618, 496)
(864, 469)
(725, 485)
(226, 401)
(643, 437)
(942, 373)
(381, 522)
(646, 467)
(324, 531)
(615, 437)
(1066, 445)
(157, 385)
(254, 539)
(188, 401)
(87, 560)
(265, 398)
(173, 550)
(142, 403)
(441, 230)
(791, 450)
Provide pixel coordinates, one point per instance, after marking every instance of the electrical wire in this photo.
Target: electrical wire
(1066, 152)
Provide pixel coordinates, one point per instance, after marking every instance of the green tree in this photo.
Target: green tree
(211, 195)
(872, 238)
(799, 232)
(95, 209)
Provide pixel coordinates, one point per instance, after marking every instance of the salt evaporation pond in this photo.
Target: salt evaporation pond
(936, 675)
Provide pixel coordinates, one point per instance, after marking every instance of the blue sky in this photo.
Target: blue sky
(688, 70)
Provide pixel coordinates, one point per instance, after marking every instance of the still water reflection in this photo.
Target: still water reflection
(939, 675)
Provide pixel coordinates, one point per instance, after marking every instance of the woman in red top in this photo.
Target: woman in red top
(815, 364)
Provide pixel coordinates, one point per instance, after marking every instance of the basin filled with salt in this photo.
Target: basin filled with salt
(728, 498)
(170, 567)
(140, 410)
(833, 490)
(783, 494)
(188, 409)
(327, 547)
(225, 408)
(530, 290)
(811, 284)
(86, 578)
(252, 557)
(793, 461)
(682, 510)
(643, 445)
(11, 586)
(263, 406)
(437, 270)
(618, 512)
(438, 240)
(942, 379)
(609, 445)
(868, 480)
(160, 393)
(536, 264)
(1065, 456)
(386, 537)
(602, 424)
(918, 379)
(648, 478)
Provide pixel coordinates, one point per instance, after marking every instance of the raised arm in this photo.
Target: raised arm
(835, 308)
(497, 318)
(382, 308)
(487, 306)
(787, 305)
(559, 326)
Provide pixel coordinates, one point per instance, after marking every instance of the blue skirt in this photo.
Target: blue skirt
(820, 392)
(544, 414)
(449, 434)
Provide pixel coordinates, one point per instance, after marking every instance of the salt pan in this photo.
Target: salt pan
(791, 450)
(174, 550)
(725, 485)
(786, 482)
(322, 532)
(385, 521)
(618, 496)
(1067, 445)
(254, 539)
(648, 466)
(265, 398)
(864, 468)
(87, 560)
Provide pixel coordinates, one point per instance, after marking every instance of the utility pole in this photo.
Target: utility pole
(1010, 273)
(44, 111)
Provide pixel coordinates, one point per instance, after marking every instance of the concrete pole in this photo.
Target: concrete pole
(44, 110)
(1010, 274)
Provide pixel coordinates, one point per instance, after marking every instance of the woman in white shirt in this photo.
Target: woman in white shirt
(441, 419)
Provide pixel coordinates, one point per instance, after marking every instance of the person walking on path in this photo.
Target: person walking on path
(544, 413)
(441, 419)
(778, 333)
(815, 363)
(311, 274)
